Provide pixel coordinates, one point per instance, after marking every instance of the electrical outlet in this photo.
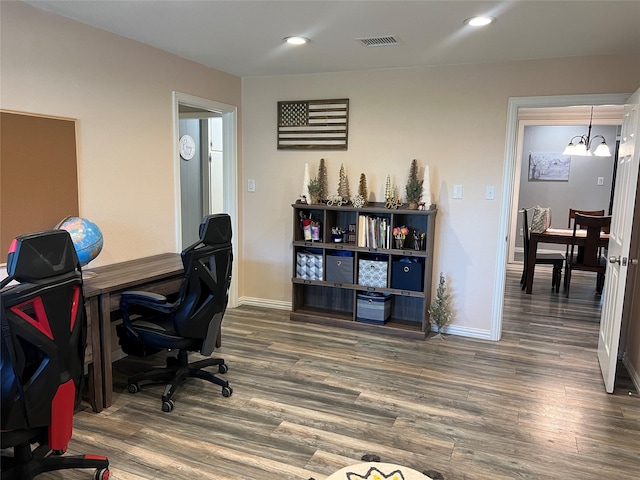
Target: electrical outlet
(457, 191)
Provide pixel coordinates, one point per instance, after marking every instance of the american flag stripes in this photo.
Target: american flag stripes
(313, 124)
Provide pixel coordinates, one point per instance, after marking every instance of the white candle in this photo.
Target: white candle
(426, 187)
(305, 183)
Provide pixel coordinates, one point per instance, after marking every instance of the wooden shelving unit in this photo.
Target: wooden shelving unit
(334, 303)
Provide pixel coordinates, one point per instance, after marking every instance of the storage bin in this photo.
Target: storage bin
(339, 269)
(407, 275)
(373, 308)
(372, 273)
(309, 266)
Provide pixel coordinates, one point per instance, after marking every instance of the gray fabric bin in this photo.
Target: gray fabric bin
(339, 269)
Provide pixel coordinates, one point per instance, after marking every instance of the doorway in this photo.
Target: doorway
(509, 179)
(207, 182)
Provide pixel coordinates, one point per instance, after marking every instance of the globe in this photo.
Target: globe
(86, 237)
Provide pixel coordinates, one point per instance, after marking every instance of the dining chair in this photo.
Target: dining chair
(552, 258)
(590, 258)
(570, 223)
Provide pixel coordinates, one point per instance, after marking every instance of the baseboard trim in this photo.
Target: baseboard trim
(635, 377)
(449, 330)
(262, 302)
(465, 332)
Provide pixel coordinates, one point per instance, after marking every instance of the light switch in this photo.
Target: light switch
(251, 185)
(490, 194)
(457, 191)
(600, 180)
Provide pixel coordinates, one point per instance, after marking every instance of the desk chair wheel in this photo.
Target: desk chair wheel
(227, 391)
(222, 368)
(167, 406)
(134, 388)
(101, 474)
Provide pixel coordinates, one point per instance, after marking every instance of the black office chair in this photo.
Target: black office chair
(552, 258)
(192, 323)
(42, 356)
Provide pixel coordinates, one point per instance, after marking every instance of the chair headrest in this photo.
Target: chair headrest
(216, 229)
(37, 256)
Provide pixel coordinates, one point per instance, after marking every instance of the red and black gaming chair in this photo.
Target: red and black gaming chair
(42, 356)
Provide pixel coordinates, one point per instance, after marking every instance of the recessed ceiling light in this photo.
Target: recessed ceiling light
(295, 40)
(479, 21)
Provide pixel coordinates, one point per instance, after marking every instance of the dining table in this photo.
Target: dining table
(562, 236)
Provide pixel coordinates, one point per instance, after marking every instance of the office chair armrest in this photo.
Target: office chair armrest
(151, 300)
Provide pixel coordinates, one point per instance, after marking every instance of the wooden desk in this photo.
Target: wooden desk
(159, 273)
(561, 236)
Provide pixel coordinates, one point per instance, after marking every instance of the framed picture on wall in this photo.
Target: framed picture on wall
(549, 166)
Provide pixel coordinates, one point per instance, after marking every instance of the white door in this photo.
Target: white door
(621, 225)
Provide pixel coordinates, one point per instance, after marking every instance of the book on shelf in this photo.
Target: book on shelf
(373, 232)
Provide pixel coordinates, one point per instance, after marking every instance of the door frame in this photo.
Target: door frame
(229, 166)
(509, 178)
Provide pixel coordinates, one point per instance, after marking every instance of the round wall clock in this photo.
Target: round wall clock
(187, 147)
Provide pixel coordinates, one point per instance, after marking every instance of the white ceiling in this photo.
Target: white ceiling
(244, 38)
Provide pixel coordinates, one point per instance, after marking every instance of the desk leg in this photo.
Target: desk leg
(531, 262)
(105, 336)
(95, 367)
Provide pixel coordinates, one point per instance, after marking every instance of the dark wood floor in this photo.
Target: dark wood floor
(309, 400)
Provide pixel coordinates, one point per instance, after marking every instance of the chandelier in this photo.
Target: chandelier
(584, 146)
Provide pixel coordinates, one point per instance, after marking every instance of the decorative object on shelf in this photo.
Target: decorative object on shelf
(343, 185)
(390, 200)
(388, 192)
(413, 188)
(310, 227)
(426, 188)
(336, 201)
(358, 201)
(337, 234)
(322, 178)
(305, 183)
(440, 310)
(313, 124)
(583, 148)
(400, 234)
(418, 240)
(315, 191)
(362, 188)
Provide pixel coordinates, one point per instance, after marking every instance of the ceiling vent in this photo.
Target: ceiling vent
(385, 41)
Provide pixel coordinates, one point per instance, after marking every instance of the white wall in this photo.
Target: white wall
(451, 118)
(120, 92)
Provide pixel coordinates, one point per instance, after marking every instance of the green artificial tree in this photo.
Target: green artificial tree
(440, 311)
(414, 186)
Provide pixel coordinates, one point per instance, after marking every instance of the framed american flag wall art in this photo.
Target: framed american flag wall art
(313, 124)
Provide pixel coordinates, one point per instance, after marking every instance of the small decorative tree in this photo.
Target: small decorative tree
(414, 186)
(343, 184)
(322, 178)
(315, 188)
(440, 310)
(362, 188)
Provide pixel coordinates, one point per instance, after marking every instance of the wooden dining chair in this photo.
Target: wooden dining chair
(590, 258)
(555, 259)
(570, 223)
